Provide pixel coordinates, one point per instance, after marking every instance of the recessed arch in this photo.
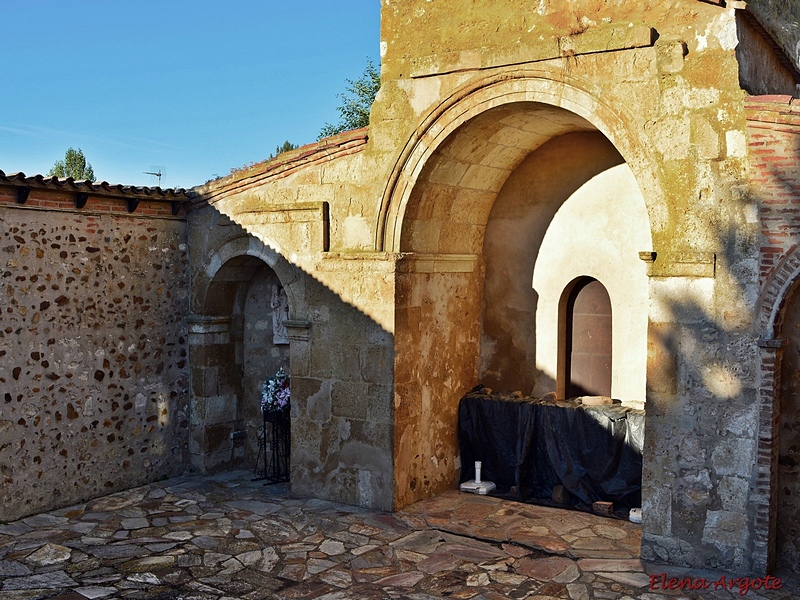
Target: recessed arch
(243, 250)
(786, 440)
(776, 291)
(544, 93)
(780, 292)
(436, 212)
(232, 347)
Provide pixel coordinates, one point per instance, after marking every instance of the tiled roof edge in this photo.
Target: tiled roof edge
(102, 188)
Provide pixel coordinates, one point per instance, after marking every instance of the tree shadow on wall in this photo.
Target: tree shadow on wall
(701, 485)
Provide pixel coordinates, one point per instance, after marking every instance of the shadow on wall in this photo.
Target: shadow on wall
(703, 382)
(239, 351)
(340, 363)
(710, 381)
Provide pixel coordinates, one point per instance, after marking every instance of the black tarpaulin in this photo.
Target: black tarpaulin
(528, 446)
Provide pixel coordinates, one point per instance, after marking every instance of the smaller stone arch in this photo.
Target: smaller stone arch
(232, 348)
(776, 291)
(248, 246)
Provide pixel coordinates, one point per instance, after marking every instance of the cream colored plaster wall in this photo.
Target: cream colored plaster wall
(571, 208)
(598, 232)
(518, 221)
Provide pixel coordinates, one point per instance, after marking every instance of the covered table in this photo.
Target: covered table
(528, 446)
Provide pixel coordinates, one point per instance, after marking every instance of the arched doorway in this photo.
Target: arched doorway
(788, 438)
(233, 348)
(439, 214)
(587, 332)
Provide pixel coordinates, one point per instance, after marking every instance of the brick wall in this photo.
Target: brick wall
(773, 124)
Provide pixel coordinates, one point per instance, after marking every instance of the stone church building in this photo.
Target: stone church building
(518, 154)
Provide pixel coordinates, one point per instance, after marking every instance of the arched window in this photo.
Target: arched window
(584, 340)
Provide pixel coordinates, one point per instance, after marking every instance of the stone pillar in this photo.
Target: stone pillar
(764, 497)
(213, 398)
(299, 369)
(657, 484)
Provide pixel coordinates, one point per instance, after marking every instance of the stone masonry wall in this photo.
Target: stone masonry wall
(93, 349)
(299, 213)
(463, 101)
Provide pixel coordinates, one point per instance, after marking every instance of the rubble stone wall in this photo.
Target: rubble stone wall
(93, 349)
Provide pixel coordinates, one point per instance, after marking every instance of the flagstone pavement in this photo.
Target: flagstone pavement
(227, 537)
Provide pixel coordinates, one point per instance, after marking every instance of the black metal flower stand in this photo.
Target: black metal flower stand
(273, 448)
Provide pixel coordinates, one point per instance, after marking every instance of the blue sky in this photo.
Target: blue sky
(196, 87)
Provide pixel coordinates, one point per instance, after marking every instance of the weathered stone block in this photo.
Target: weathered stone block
(377, 364)
(695, 491)
(350, 399)
(380, 408)
(306, 440)
(220, 409)
(302, 389)
(657, 511)
(336, 361)
(300, 358)
(218, 437)
(671, 54)
(319, 404)
(691, 452)
(733, 456)
(733, 493)
(662, 359)
(407, 401)
(725, 529)
(210, 382)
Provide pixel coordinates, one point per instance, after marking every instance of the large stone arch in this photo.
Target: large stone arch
(523, 87)
(434, 215)
(231, 349)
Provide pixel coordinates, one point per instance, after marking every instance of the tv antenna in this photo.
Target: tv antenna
(157, 172)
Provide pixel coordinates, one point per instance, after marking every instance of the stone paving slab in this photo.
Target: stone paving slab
(557, 531)
(226, 537)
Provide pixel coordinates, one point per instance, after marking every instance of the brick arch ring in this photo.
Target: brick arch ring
(769, 317)
(472, 99)
(776, 293)
(247, 245)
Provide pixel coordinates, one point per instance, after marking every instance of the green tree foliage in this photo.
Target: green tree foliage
(285, 147)
(74, 165)
(356, 102)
